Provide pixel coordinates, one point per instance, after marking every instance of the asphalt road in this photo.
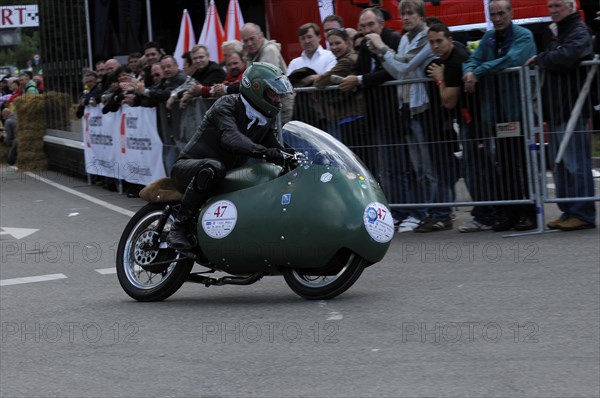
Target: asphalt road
(444, 314)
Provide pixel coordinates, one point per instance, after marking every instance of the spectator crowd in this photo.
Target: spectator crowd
(454, 104)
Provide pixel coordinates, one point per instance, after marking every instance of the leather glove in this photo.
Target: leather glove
(273, 155)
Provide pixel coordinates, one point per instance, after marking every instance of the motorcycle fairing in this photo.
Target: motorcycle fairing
(300, 219)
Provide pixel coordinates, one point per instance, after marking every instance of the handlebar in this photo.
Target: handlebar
(291, 161)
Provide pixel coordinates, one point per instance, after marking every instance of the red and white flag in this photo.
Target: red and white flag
(212, 35)
(186, 40)
(234, 21)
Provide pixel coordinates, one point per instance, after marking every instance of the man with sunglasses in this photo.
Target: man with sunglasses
(368, 74)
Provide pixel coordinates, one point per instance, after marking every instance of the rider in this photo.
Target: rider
(235, 128)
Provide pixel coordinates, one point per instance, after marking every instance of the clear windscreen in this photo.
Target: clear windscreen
(320, 148)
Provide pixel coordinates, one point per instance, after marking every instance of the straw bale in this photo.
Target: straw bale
(30, 106)
(58, 110)
(4, 148)
(26, 134)
(31, 161)
(31, 146)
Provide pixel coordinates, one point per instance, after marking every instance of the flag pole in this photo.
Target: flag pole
(149, 20)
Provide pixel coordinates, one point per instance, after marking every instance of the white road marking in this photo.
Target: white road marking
(106, 271)
(335, 316)
(99, 202)
(18, 233)
(31, 279)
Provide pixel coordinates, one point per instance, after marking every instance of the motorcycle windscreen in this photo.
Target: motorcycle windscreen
(322, 149)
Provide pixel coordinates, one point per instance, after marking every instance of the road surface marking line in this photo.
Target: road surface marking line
(106, 271)
(99, 202)
(31, 279)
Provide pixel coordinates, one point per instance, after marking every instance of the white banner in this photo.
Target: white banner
(100, 151)
(123, 145)
(140, 146)
(19, 16)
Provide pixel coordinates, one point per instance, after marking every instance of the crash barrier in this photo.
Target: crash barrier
(494, 149)
(571, 109)
(420, 154)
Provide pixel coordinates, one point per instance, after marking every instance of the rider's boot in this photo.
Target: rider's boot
(178, 238)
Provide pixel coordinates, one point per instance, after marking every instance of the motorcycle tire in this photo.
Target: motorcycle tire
(322, 287)
(143, 284)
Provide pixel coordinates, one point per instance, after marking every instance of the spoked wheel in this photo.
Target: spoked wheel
(144, 270)
(317, 284)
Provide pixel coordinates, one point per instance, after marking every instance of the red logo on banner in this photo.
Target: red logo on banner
(122, 132)
(87, 130)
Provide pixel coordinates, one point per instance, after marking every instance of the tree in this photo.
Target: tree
(20, 54)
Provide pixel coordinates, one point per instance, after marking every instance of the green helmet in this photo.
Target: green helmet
(262, 85)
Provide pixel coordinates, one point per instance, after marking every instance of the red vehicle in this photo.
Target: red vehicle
(468, 16)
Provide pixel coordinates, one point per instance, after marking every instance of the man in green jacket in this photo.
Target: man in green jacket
(29, 86)
(506, 46)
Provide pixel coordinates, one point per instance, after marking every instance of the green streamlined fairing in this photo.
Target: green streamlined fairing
(300, 219)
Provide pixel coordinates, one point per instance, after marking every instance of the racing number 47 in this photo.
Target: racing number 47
(220, 212)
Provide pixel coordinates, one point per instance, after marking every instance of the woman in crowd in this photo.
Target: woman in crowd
(344, 110)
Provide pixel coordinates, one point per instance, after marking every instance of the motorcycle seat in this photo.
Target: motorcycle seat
(161, 191)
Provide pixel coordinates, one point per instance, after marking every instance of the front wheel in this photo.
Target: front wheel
(314, 285)
(139, 252)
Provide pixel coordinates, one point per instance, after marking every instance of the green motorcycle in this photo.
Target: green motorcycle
(318, 221)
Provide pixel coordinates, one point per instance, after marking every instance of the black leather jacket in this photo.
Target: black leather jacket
(223, 135)
(365, 59)
(211, 74)
(560, 62)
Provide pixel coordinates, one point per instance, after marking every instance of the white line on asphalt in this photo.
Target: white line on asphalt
(106, 271)
(99, 202)
(31, 279)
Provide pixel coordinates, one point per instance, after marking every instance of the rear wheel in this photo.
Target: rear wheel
(315, 285)
(137, 269)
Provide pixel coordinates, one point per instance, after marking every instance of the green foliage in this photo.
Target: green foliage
(19, 55)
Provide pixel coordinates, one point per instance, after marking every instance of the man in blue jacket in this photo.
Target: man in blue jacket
(507, 45)
(571, 43)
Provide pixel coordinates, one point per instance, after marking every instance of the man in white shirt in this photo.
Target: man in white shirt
(313, 55)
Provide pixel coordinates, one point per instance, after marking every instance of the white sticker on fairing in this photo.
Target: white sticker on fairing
(219, 219)
(326, 177)
(379, 222)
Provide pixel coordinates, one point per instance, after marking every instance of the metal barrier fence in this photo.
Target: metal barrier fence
(492, 149)
(499, 148)
(560, 108)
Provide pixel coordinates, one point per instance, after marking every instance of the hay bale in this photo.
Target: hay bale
(31, 127)
(58, 110)
(31, 161)
(31, 146)
(30, 134)
(36, 113)
(3, 152)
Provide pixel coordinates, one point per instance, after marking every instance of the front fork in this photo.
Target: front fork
(162, 221)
